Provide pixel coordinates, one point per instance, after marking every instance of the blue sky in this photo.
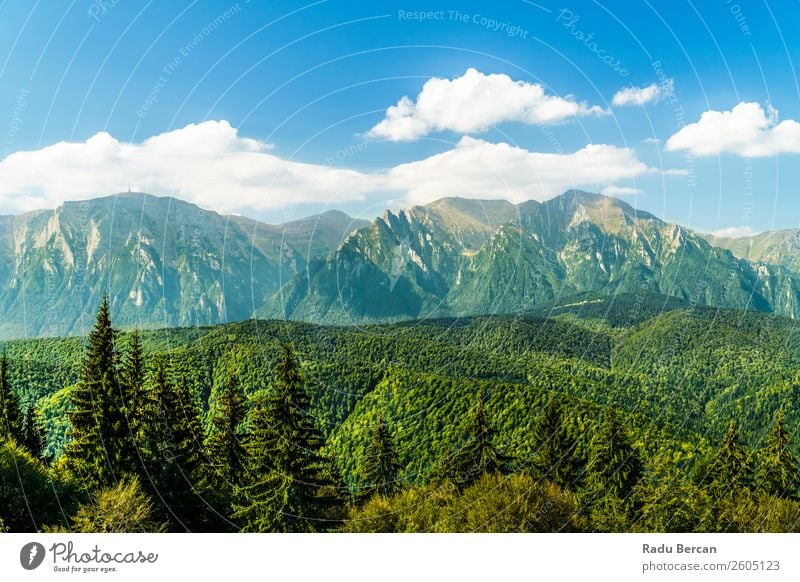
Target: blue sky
(304, 83)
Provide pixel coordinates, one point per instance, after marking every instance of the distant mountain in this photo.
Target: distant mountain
(459, 257)
(163, 262)
(167, 263)
(777, 247)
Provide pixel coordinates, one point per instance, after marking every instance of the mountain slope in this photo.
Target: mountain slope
(166, 263)
(452, 257)
(776, 247)
(162, 261)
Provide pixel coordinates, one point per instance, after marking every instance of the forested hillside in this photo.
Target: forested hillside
(630, 413)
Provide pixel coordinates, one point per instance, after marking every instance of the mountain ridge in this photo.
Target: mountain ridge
(412, 265)
(166, 263)
(163, 262)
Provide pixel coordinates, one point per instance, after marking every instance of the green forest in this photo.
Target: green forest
(599, 414)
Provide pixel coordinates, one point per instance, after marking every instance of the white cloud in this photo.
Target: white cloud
(211, 165)
(473, 103)
(207, 163)
(734, 232)
(621, 191)
(746, 130)
(641, 95)
(480, 169)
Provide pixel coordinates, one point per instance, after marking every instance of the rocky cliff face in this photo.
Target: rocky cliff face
(460, 256)
(162, 261)
(167, 263)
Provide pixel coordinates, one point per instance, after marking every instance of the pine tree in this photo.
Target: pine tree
(554, 451)
(153, 425)
(184, 463)
(99, 434)
(614, 466)
(613, 471)
(132, 380)
(777, 472)
(381, 466)
(10, 422)
(476, 454)
(670, 502)
(224, 446)
(257, 497)
(186, 423)
(171, 443)
(728, 479)
(289, 485)
(31, 433)
(84, 452)
(729, 470)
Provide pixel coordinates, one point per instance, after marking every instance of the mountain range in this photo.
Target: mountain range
(168, 263)
(162, 261)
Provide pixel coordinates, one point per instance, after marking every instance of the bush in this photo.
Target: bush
(123, 508)
(29, 495)
(775, 515)
(495, 503)
(518, 503)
